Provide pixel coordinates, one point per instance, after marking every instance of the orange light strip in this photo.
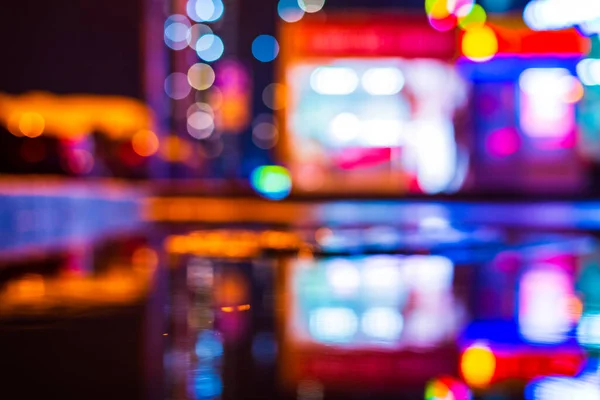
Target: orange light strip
(243, 307)
(73, 116)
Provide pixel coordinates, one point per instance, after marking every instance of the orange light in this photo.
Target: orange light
(145, 143)
(174, 149)
(234, 112)
(437, 390)
(439, 10)
(31, 124)
(73, 116)
(480, 43)
(176, 244)
(244, 307)
(144, 257)
(13, 125)
(576, 93)
(30, 286)
(323, 234)
(227, 309)
(575, 308)
(478, 365)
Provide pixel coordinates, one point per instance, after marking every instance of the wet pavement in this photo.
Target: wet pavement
(428, 309)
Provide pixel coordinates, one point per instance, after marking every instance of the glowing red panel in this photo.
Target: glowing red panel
(373, 36)
(524, 41)
(530, 365)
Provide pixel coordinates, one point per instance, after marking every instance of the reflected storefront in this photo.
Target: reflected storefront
(306, 314)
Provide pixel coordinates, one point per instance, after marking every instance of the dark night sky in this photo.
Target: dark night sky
(71, 46)
(85, 46)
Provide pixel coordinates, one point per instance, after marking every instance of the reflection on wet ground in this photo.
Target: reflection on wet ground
(428, 310)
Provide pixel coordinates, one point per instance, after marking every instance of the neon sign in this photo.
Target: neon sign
(560, 14)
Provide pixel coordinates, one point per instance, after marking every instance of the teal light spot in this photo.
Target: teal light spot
(272, 182)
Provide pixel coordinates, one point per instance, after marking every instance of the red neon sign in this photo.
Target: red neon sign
(527, 366)
(409, 37)
(524, 41)
(376, 368)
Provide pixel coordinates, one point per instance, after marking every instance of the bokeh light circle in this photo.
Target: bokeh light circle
(576, 91)
(429, 5)
(200, 106)
(200, 124)
(176, 31)
(443, 24)
(439, 9)
(200, 120)
(265, 48)
(145, 143)
(476, 17)
(210, 47)
(273, 97)
(205, 10)
(177, 86)
(478, 365)
(503, 142)
(290, 11)
(196, 32)
(479, 43)
(201, 76)
(463, 8)
(215, 97)
(31, 124)
(272, 182)
(311, 6)
(265, 135)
